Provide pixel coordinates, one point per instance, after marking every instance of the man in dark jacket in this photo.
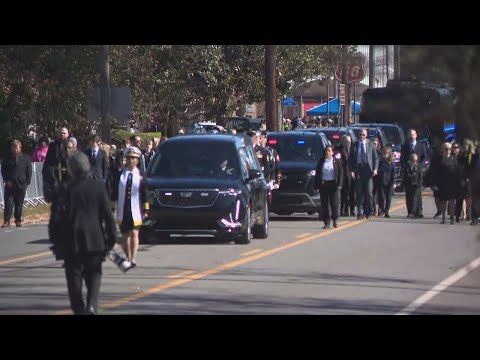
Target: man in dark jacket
(17, 174)
(98, 159)
(86, 243)
(54, 169)
(363, 165)
(347, 198)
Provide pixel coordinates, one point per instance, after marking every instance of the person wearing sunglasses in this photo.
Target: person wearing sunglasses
(363, 164)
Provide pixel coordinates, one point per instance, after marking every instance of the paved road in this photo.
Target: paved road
(379, 266)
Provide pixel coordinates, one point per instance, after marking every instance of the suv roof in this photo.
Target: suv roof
(239, 140)
(383, 139)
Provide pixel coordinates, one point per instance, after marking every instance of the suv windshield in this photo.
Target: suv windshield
(196, 159)
(393, 135)
(295, 148)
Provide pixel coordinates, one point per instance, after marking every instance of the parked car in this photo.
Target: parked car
(206, 185)
(299, 153)
(334, 134)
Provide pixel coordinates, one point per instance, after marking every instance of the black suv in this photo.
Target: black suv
(299, 153)
(206, 185)
(334, 134)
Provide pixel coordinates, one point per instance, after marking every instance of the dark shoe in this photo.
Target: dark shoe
(419, 217)
(90, 311)
(437, 214)
(381, 213)
(368, 216)
(327, 225)
(474, 222)
(352, 213)
(18, 223)
(360, 217)
(387, 216)
(335, 225)
(6, 224)
(452, 222)
(410, 216)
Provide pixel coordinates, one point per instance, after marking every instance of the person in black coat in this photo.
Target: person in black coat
(98, 159)
(386, 180)
(347, 197)
(329, 180)
(55, 167)
(446, 179)
(17, 174)
(413, 146)
(412, 178)
(90, 235)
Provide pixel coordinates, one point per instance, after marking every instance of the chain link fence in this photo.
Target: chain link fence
(34, 195)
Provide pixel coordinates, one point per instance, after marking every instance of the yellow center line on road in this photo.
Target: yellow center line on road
(302, 235)
(25, 258)
(226, 266)
(251, 252)
(180, 274)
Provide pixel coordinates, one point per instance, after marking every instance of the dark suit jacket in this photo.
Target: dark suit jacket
(89, 207)
(372, 157)
(344, 154)
(18, 171)
(419, 150)
(386, 173)
(55, 160)
(337, 168)
(99, 165)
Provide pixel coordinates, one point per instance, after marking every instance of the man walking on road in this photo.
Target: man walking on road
(363, 163)
(17, 174)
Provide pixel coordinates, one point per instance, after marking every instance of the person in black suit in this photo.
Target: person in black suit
(329, 180)
(446, 178)
(412, 178)
(386, 180)
(413, 146)
(91, 234)
(17, 174)
(98, 159)
(363, 164)
(347, 198)
(54, 169)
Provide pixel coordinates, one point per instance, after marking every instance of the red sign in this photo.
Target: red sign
(355, 72)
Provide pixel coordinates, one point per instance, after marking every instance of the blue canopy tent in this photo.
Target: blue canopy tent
(333, 107)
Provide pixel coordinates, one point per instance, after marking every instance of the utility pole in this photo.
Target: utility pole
(345, 108)
(396, 61)
(371, 66)
(387, 61)
(105, 94)
(270, 88)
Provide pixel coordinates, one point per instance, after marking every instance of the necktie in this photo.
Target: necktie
(94, 154)
(363, 154)
(412, 146)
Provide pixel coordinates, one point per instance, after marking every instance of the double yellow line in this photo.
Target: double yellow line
(250, 256)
